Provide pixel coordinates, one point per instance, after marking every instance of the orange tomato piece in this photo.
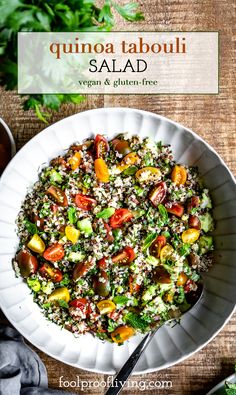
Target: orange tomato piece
(129, 160)
(179, 175)
(182, 279)
(121, 334)
(101, 170)
(75, 161)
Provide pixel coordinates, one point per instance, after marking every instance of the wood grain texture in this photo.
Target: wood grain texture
(213, 118)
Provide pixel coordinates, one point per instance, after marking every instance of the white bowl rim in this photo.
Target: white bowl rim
(196, 136)
(10, 135)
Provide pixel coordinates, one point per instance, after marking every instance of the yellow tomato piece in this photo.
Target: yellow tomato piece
(101, 170)
(59, 294)
(182, 279)
(119, 335)
(179, 175)
(75, 161)
(106, 306)
(36, 244)
(72, 234)
(166, 252)
(190, 235)
(148, 173)
(129, 160)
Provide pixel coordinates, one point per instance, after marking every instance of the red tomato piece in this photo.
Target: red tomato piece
(54, 253)
(58, 195)
(120, 216)
(158, 193)
(126, 256)
(81, 268)
(102, 263)
(84, 202)
(101, 146)
(51, 273)
(82, 304)
(176, 209)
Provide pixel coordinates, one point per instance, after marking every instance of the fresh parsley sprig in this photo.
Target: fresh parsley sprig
(52, 16)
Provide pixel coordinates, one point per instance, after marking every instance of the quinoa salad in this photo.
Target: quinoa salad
(113, 237)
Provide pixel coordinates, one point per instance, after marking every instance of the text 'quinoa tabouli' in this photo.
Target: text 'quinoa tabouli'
(113, 237)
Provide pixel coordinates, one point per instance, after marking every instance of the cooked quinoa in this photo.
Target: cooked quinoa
(113, 237)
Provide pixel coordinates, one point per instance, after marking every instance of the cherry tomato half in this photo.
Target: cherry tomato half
(81, 268)
(120, 216)
(158, 193)
(119, 335)
(102, 263)
(179, 175)
(124, 257)
(194, 222)
(54, 253)
(75, 161)
(51, 273)
(106, 306)
(84, 202)
(130, 159)
(101, 284)
(27, 263)
(182, 279)
(58, 195)
(101, 146)
(161, 275)
(82, 304)
(101, 170)
(121, 146)
(156, 246)
(176, 209)
(190, 235)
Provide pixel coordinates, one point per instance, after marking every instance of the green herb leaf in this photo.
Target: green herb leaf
(120, 300)
(148, 241)
(30, 227)
(136, 321)
(129, 11)
(163, 212)
(106, 213)
(63, 304)
(130, 171)
(72, 216)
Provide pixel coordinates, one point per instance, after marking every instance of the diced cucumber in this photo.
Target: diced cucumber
(85, 226)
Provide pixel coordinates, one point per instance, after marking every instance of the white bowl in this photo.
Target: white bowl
(170, 345)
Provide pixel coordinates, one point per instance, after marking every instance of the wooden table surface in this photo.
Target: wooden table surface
(213, 118)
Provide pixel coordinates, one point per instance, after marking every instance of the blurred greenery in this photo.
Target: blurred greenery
(52, 16)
